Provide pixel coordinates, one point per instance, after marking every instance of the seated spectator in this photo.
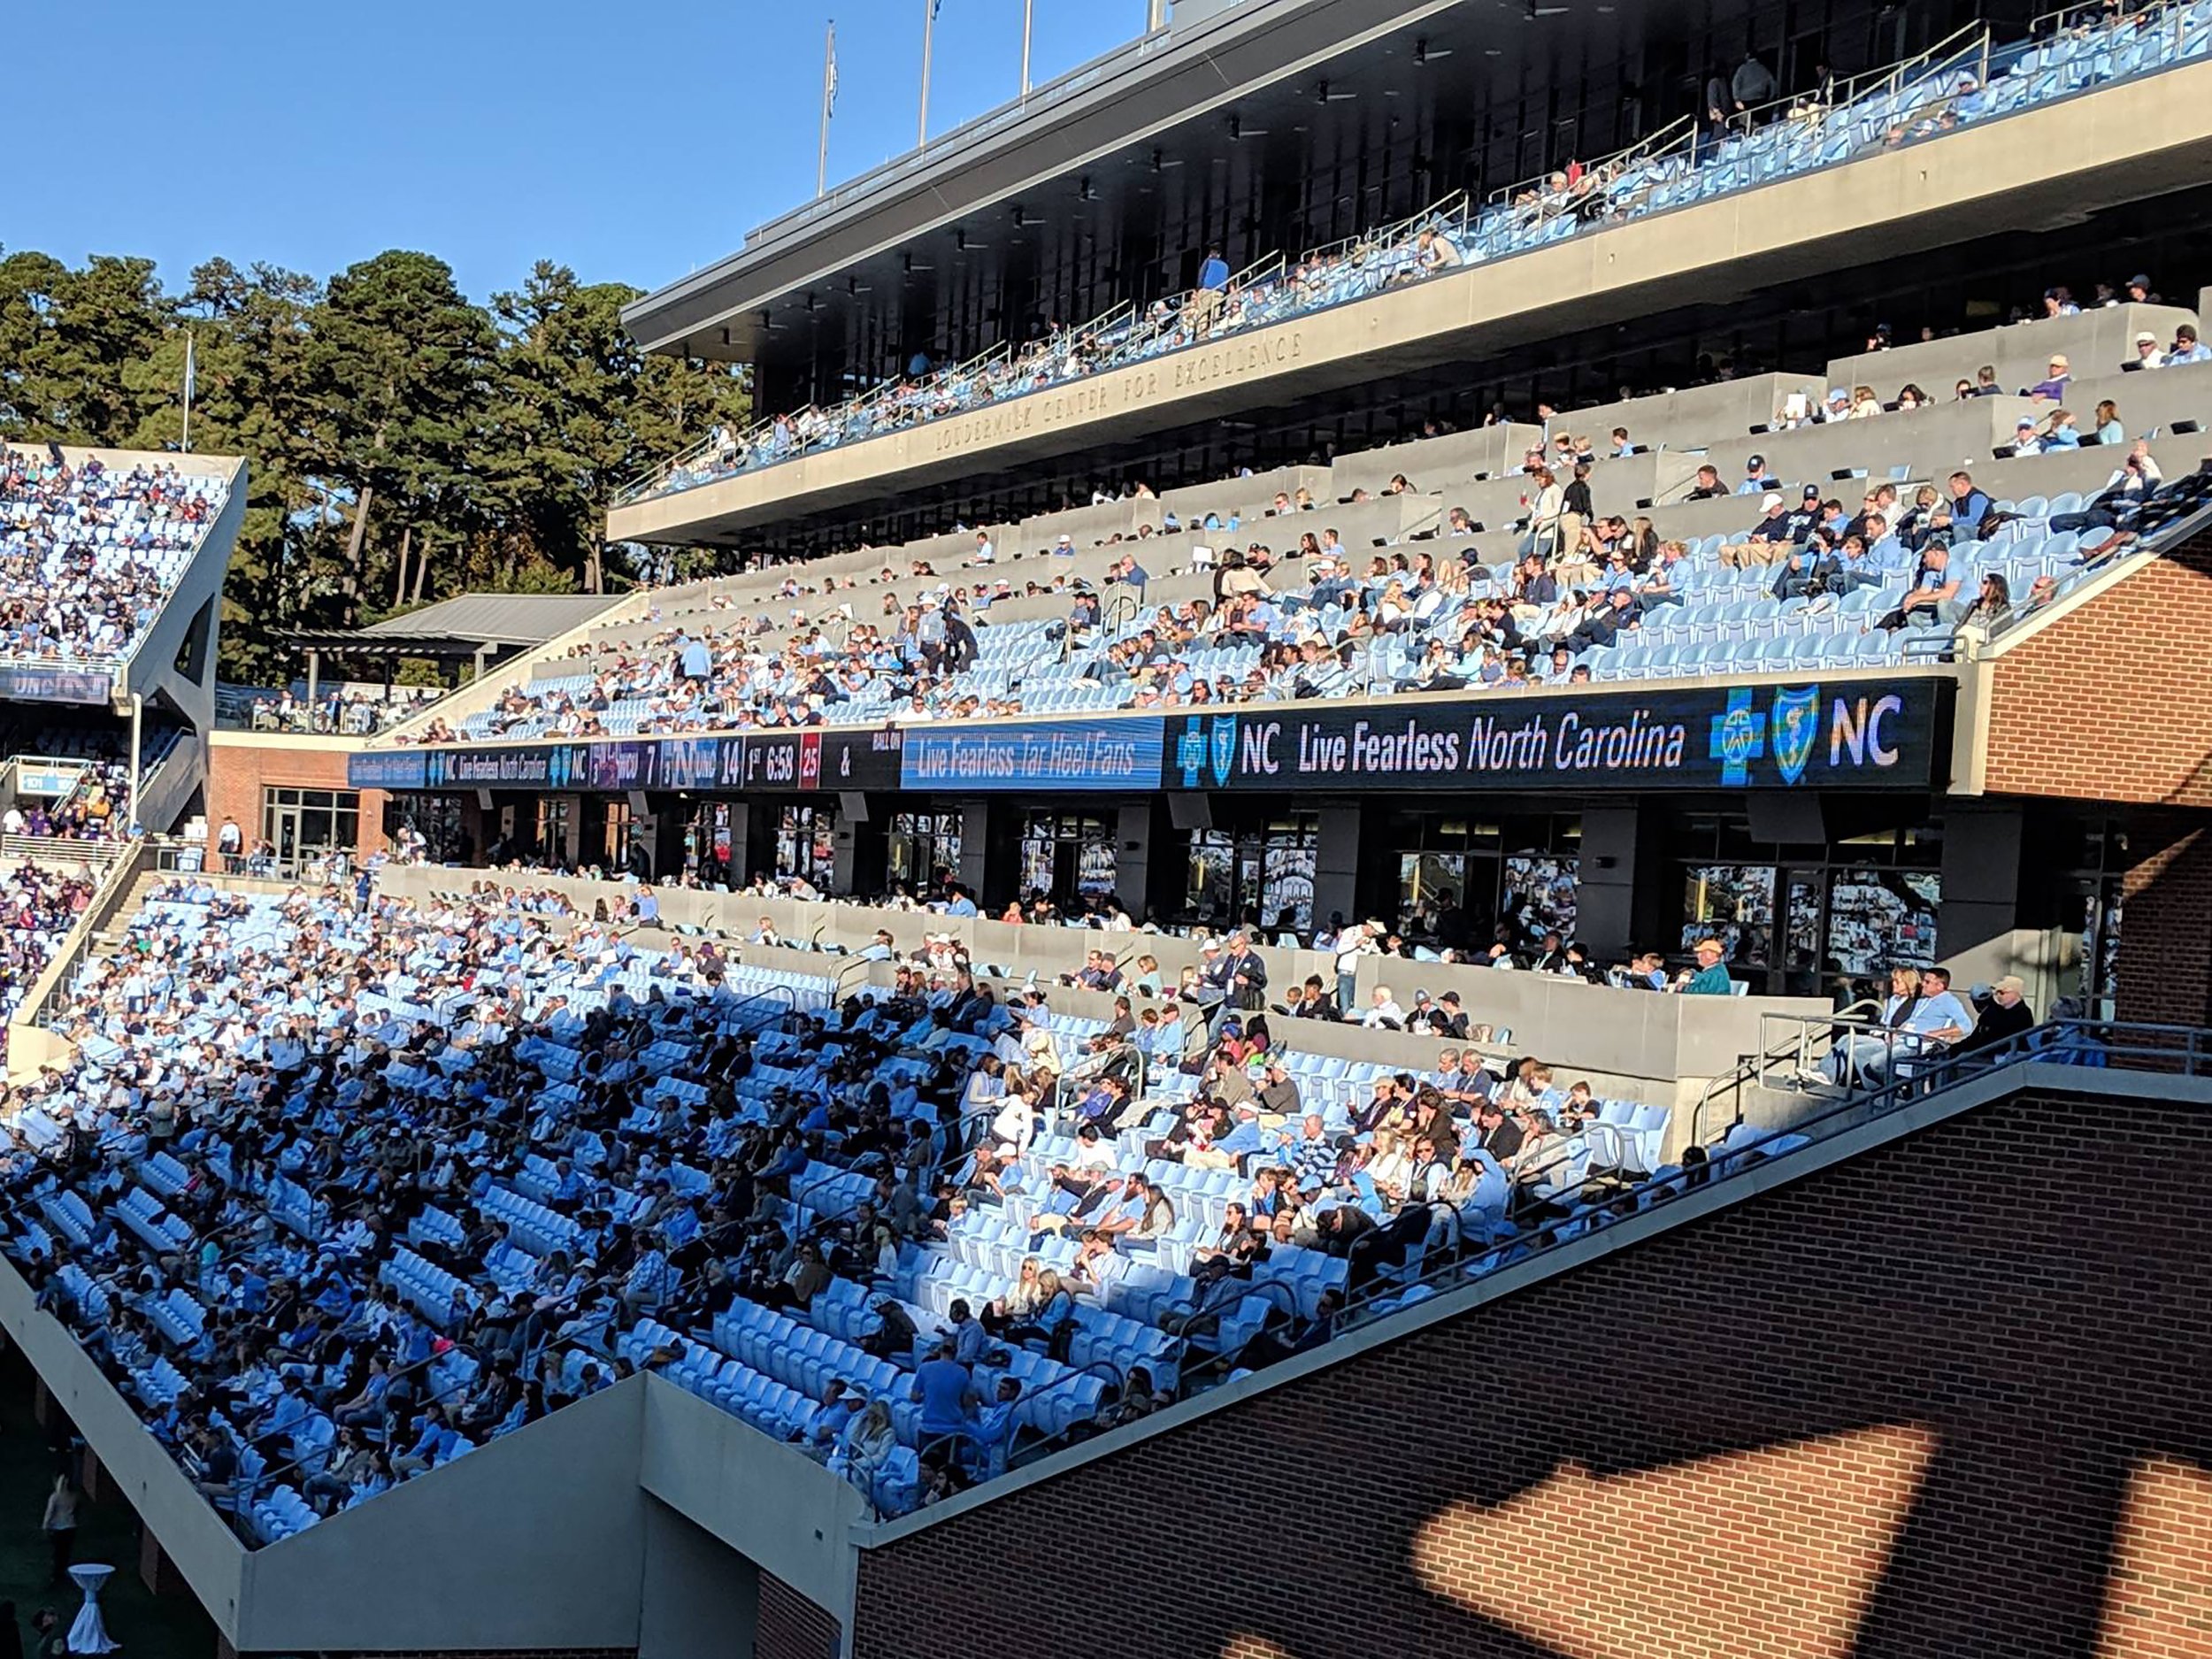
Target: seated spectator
(1710, 978)
(2004, 1017)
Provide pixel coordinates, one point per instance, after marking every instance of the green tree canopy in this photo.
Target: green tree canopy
(405, 443)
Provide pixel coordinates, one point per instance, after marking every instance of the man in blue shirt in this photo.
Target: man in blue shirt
(1204, 304)
(1755, 480)
(1940, 1018)
(944, 1392)
(1935, 595)
(1884, 550)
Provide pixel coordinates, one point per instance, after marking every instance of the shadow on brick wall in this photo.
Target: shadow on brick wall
(1950, 1399)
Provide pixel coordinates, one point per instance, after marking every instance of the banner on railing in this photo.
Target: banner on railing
(799, 758)
(27, 682)
(1106, 753)
(1871, 734)
(1853, 735)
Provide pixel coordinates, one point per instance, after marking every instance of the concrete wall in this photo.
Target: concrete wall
(1724, 409)
(2094, 343)
(199, 1543)
(781, 1510)
(1454, 458)
(533, 1541)
(698, 1598)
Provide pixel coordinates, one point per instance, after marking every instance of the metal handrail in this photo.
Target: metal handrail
(1509, 197)
(1444, 210)
(1973, 41)
(1075, 1374)
(1756, 1066)
(2064, 1041)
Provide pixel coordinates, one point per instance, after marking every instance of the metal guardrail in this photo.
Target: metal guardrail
(62, 849)
(2183, 1049)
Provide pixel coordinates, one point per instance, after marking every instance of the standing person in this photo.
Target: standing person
(60, 1524)
(1206, 298)
(230, 841)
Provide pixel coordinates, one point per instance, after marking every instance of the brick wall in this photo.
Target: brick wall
(2110, 703)
(2165, 964)
(239, 768)
(1945, 1402)
(789, 1626)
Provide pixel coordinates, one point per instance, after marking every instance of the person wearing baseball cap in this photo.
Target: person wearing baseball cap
(1755, 476)
(2006, 1015)
(2148, 355)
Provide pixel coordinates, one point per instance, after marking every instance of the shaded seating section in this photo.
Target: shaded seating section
(1917, 101)
(339, 1192)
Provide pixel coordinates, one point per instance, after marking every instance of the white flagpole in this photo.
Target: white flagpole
(1029, 10)
(929, 28)
(829, 97)
(186, 442)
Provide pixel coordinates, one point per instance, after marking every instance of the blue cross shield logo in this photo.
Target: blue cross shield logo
(1190, 752)
(1739, 738)
(1223, 747)
(1795, 721)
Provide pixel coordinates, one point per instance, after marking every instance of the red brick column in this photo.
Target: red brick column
(790, 1626)
(2165, 966)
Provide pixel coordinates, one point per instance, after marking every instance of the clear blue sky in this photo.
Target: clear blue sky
(634, 141)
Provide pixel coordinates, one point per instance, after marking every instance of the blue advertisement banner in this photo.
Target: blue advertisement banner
(1851, 734)
(1869, 733)
(793, 759)
(388, 769)
(1100, 753)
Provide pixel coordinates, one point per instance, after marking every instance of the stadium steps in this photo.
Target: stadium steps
(109, 936)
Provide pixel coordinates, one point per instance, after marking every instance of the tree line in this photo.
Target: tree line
(405, 443)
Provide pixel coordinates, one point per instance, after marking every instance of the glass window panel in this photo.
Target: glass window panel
(1095, 869)
(1733, 903)
(1206, 889)
(1286, 884)
(1541, 890)
(1431, 879)
(1036, 865)
(1879, 919)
